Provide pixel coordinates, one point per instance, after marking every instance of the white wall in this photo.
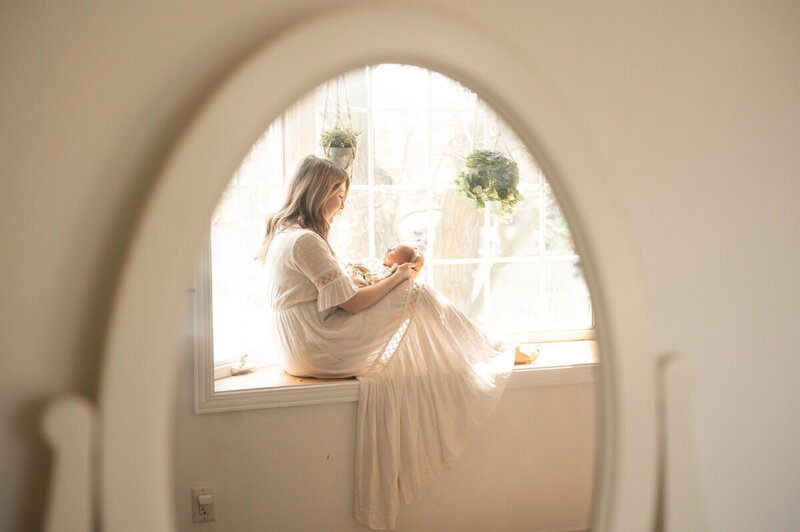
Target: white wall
(692, 106)
(531, 467)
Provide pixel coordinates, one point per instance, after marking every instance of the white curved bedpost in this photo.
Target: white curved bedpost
(680, 501)
(69, 425)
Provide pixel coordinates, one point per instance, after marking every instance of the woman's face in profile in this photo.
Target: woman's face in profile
(335, 203)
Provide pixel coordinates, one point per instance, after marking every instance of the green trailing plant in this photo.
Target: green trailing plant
(339, 137)
(490, 176)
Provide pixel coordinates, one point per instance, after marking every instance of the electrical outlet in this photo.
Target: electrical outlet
(204, 513)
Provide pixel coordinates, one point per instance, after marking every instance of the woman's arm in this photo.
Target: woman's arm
(369, 295)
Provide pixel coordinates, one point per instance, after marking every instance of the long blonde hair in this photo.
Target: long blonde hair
(313, 182)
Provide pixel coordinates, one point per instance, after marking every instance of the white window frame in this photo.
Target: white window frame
(295, 129)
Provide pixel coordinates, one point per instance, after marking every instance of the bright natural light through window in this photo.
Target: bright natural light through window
(516, 275)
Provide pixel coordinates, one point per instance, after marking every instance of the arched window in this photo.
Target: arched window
(519, 276)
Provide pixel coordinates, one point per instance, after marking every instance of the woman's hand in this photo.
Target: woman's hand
(406, 271)
(369, 295)
(420, 262)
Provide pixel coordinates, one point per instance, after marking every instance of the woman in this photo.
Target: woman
(428, 376)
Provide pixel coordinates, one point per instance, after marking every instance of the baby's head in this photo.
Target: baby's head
(400, 254)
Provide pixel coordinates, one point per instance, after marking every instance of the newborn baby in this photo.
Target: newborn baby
(371, 270)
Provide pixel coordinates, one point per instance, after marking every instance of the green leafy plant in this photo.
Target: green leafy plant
(339, 137)
(490, 176)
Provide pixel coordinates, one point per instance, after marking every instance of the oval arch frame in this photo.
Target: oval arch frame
(135, 472)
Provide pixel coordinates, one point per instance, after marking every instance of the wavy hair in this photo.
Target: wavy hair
(313, 182)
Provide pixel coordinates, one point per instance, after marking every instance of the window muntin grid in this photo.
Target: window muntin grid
(480, 263)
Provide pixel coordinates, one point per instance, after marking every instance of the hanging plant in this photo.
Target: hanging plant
(339, 137)
(490, 176)
(340, 145)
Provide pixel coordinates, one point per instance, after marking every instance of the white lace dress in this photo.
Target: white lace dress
(428, 376)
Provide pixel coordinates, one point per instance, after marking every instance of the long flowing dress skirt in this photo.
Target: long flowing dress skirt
(437, 381)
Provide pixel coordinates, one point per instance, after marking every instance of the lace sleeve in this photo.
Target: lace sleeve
(313, 257)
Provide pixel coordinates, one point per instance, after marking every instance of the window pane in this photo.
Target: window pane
(401, 147)
(451, 142)
(447, 93)
(558, 239)
(237, 226)
(239, 313)
(355, 83)
(263, 164)
(401, 216)
(240, 328)
(350, 231)
(463, 285)
(520, 236)
(514, 297)
(399, 87)
(568, 304)
(421, 128)
(458, 229)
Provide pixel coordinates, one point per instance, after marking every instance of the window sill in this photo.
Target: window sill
(559, 363)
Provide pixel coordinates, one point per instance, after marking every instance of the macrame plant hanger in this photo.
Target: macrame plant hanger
(343, 156)
(475, 123)
(497, 139)
(491, 175)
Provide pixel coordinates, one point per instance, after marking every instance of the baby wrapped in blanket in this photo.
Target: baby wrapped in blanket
(371, 269)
